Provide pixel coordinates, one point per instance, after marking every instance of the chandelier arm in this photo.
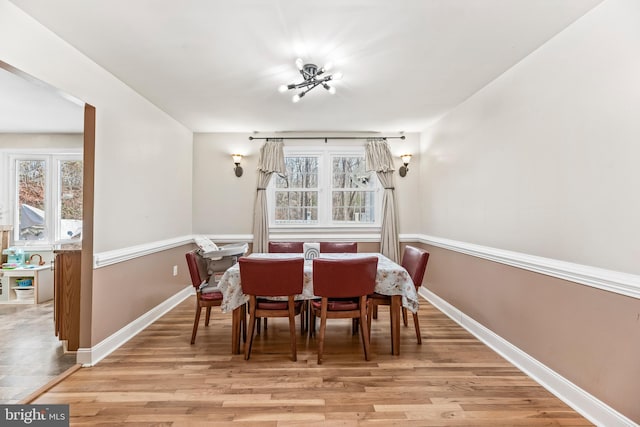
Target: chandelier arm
(307, 83)
(304, 92)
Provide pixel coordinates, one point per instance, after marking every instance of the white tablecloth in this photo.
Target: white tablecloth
(392, 279)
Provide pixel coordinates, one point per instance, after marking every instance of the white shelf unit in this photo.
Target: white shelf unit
(42, 285)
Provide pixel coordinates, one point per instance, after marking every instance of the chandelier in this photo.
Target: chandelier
(313, 76)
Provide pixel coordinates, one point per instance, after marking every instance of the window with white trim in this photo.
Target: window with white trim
(46, 197)
(324, 187)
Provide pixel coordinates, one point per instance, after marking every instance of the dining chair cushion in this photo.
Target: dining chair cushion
(211, 296)
(337, 305)
(266, 304)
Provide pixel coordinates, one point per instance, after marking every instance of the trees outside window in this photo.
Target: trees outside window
(47, 197)
(324, 187)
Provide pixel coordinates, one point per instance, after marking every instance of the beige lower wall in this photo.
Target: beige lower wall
(124, 291)
(589, 336)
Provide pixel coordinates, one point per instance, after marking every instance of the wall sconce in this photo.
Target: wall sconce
(237, 158)
(406, 158)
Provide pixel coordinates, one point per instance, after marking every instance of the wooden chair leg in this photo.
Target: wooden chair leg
(292, 328)
(304, 317)
(354, 326)
(243, 323)
(259, 326)
(416, 323)
(363, 326)
(369, 314)
(208, 316)
(404, 316)
(323, 327)
(195, 325)
(252, 322)
(312, 322)
(375, 311)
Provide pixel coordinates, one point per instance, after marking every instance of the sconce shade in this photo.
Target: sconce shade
(406, 158)
(237, 158)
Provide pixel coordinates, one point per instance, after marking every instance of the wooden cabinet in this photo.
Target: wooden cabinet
(66, 295)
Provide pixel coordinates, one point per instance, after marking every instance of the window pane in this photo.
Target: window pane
(296, 206)
(302, 172)
(356, 206)
(349, 172)
(70, 199)
(31, 199)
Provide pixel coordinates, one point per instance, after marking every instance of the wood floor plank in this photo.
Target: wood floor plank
(158, 378)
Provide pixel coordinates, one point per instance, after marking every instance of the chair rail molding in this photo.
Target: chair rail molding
(103, 259)
(608, 280)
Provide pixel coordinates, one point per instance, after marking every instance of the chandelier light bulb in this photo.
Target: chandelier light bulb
(299, 63)
(295, 98)
(328, 66)
(283, 88)
(336, 76)
(330, 89)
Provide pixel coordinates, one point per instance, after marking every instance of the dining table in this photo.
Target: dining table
(391, 279)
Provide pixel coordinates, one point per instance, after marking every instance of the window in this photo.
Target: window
(325, 188)
(46, 197)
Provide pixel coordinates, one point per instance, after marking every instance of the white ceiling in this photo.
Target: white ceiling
(216, 65)
(27, 105)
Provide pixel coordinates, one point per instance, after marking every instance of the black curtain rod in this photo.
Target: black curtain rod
(251, 138)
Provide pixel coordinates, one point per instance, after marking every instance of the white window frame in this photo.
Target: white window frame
(52, 206)
(325, 156)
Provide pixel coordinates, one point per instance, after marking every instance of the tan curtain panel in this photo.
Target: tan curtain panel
(379, 159)
(271, 161)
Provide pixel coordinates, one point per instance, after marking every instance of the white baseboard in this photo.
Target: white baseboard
(91, 356)
(584, 403)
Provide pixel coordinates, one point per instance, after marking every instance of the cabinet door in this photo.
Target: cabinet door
(67, 298)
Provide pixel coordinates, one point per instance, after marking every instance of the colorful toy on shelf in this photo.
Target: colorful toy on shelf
(14, 256)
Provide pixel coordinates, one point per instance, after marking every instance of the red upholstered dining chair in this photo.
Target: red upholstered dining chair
(414, 260)
(205, 298)
(272, 278)
(336, 281)
(336, 247)
(285, 247)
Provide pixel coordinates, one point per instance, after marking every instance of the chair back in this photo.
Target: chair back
(271, 277)
(337, 247)
(344, 278)
(197, 268)
(286, 247)
(415, 260)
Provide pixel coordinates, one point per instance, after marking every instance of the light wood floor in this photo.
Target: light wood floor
(30, 355)
(452, 379)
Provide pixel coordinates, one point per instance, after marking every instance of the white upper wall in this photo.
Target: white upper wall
(143, 156)
(223, 203)
(544, 160)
